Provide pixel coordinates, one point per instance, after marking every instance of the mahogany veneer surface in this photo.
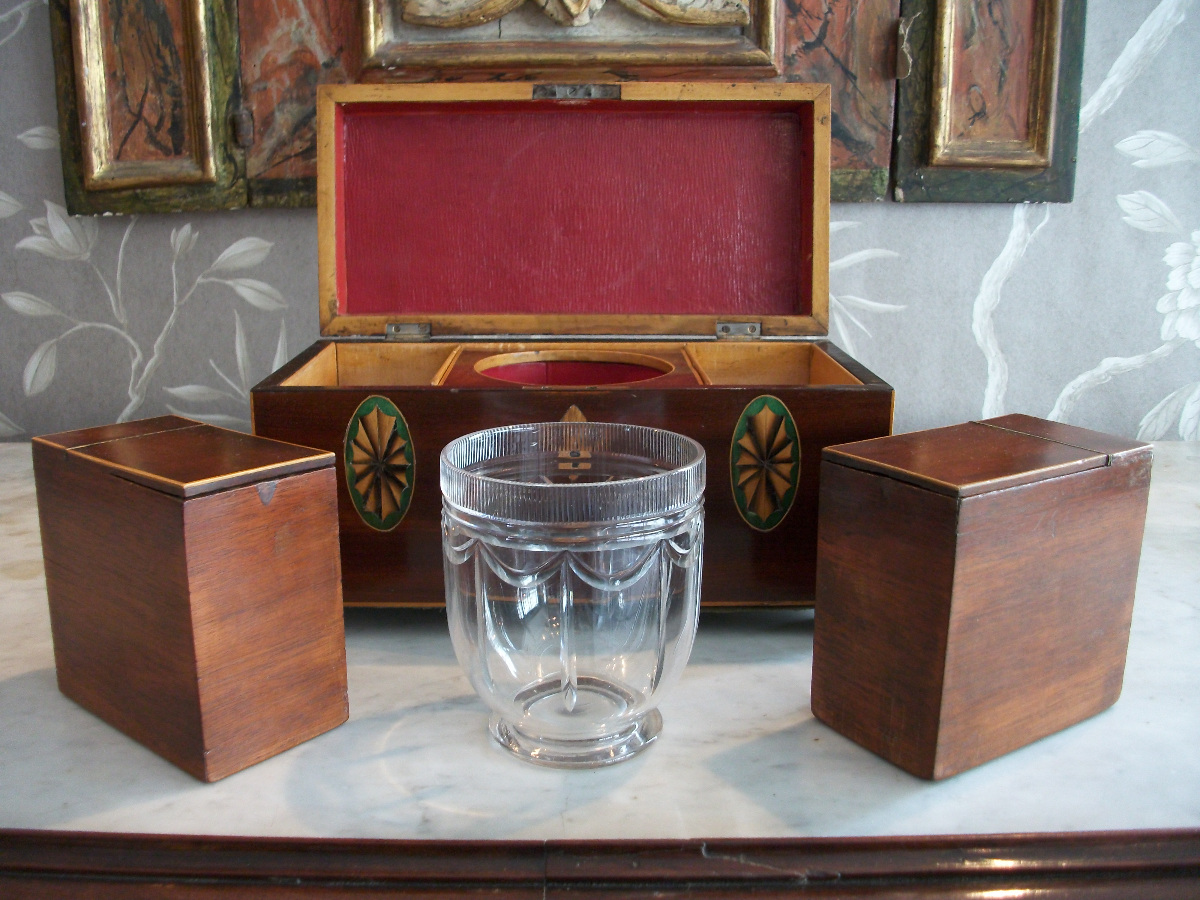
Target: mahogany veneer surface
(742, 566)
(974, 587)
(206, 627)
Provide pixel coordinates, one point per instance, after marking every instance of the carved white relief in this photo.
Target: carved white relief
(574, 13)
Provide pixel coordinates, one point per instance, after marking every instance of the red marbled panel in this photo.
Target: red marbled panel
(148, 93)
(992, 51)
(848, 44)
(288, 48)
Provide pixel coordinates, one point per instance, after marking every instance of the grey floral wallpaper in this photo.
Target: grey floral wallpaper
(1087, 313)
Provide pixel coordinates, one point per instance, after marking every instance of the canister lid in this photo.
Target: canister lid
(979, 457)
(187, 459)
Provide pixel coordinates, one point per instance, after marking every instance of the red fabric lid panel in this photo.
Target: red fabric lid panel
(537, 208)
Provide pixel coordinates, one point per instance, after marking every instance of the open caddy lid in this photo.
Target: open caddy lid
(642, 209)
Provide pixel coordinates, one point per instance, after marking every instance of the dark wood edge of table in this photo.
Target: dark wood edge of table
(1141, 864)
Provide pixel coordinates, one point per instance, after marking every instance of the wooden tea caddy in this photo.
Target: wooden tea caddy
(649, 253)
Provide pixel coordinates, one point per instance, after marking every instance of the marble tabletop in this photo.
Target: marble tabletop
(740, 754)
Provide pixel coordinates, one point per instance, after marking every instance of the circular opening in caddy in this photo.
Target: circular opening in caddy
(572, 368)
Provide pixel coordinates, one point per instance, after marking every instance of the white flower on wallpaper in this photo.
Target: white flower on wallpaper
(1150, 149)
(71, 240)
(843, 307)
(1180, 306)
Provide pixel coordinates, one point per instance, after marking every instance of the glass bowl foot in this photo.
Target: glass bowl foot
(578, 754)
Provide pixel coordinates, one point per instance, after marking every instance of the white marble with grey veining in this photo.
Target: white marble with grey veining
(740, 754)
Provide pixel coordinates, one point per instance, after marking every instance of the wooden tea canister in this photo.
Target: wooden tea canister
(194, 586)
(974, 586)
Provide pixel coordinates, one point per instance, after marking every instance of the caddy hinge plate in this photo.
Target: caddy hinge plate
(408, 331)
(738, 330)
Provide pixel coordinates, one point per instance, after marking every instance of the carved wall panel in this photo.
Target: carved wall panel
(523, 37)
(991, 110)
(211, 103)
(143, 89)
(288, 47)
(850, 45)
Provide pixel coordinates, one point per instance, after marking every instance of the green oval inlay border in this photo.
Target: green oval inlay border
(764, 478)
(379, 463)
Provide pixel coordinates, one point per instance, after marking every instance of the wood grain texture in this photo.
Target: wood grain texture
(208, 629)
(884, 582)
(742, 567)
(968, 459)
(1151, 865)
(264, 584)
(1014, 602)
(122, 628)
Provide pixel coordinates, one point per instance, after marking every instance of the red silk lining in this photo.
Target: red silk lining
(543, 209)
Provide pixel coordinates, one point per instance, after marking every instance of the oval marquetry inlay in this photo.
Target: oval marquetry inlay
(379, 463)
(764, 463)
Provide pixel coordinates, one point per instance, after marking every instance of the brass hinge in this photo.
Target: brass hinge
(242, 122)
(738, 330)
(408, 331)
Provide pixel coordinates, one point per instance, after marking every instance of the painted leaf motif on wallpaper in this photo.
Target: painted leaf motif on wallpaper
(243, 254)
(1181, 306)
(196, 393)
(1134, 58)
(43, 137)
(1152, 149)
(281, 348)
(237, 393)
(219, 419)
(39, 371)
(1146, 212)
(61, 236)
(183, 240)
(241, 351)
(28, 305)
(1182, 405)
(841, 305)
(66, 238)
(9, 206)
(258, 294)
(1189, 419)
(13, 21)
(9, 428)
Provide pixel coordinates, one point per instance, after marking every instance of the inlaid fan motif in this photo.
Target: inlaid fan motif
(379, 463)
(764, 463)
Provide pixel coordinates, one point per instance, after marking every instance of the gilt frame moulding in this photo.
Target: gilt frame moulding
(143, 105)
(990, 110)
(749, 48)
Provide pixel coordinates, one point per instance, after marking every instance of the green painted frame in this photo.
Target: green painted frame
(157, 187)
(916, 179)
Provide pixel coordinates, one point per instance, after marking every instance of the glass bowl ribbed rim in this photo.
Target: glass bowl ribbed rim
(678, 487)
